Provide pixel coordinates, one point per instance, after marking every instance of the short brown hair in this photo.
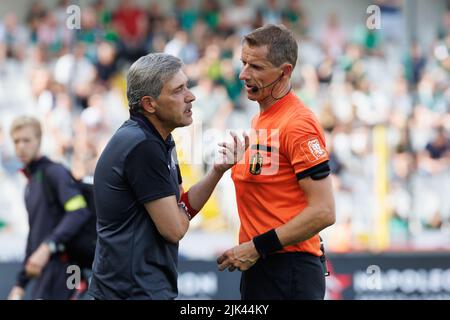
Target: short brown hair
(280, 42)
(27, 121)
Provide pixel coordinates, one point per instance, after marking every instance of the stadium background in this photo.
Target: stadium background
(382, 95)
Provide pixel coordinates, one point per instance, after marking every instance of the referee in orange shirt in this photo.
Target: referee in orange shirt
(283, 189)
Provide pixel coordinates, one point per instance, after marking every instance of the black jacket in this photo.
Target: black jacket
(56, 220)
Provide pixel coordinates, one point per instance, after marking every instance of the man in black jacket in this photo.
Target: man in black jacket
(52, 222)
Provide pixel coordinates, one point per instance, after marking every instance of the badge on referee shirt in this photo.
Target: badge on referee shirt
(256, 163)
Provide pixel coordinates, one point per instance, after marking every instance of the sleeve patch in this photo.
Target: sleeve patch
(313, 149)
(75, 203)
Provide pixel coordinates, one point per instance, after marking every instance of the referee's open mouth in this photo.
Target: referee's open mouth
(250, 88)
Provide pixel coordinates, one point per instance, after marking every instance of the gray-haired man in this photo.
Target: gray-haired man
(142, 209)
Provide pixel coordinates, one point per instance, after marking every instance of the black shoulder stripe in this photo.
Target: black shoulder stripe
(319, 171)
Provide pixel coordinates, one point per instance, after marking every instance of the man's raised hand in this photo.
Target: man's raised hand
(231, 153)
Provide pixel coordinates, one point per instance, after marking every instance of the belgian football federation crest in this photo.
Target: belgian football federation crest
(256, 164)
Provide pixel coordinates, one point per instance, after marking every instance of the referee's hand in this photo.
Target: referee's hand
(231, 153)
(241, 257)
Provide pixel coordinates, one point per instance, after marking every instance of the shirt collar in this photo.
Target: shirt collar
(274, 107)
(145, 124)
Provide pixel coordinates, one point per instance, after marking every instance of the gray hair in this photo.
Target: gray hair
(147, 76)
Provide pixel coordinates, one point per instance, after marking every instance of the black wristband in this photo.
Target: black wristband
(267, 243)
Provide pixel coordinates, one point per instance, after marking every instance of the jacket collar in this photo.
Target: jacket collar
(34, 165)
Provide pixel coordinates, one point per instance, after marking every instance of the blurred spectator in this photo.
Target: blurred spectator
(210, 62)
(333, 37)
(59, 124)
(2, 151)
(181, 47)
(14, 37)
(444, 27)
(325, 71)
(230, 80)
(41, 81)
(155, 18)
(239, 16)
(105, 20)
(436, 158)
(53, 35)
(187, 14)
(369, 39)
(92, 131)
(414, 64)
(90, 32)
(271, 13)
(60, 13)
(391, 15)
(131, 23)
(106, 65)
(77, 73)
(103, 13)
(34, 18)
(212, 104)
(295, 18)
(210, 13)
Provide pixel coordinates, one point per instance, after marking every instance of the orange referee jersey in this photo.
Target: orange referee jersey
(285, 141)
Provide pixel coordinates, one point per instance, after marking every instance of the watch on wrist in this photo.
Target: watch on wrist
(52, 246)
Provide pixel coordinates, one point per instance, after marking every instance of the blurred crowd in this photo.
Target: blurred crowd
(385, 106)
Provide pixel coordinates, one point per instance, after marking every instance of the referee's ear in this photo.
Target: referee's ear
(287, 69)
(148, 103)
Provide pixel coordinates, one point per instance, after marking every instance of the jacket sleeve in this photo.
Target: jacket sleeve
(22, 278)
(69, 197)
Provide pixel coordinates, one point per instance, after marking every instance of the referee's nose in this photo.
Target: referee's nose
(243, 75)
